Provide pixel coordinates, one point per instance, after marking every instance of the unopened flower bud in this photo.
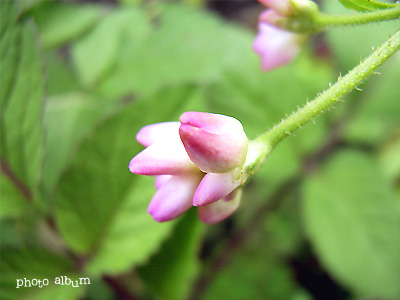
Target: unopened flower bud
(220, 209)
(275, 46)
(215, 143)
(283, 7)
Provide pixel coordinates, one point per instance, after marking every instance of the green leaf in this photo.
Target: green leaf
(353, 219)
(34, 263)
(97, 52)
(255, 273)
(10, 235)
(21, 100)
(365, 5)
(187, 46)
(28, 5)
(389, 158)
(101, 206)
(60, 23)
(9, 11)
(13, 202)
(69, 118)
(170, 273)
(377, 117)
(61, 78)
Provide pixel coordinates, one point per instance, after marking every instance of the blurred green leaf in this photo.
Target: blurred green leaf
(8, 16)
(22, 103)
(36, 263)
(170, 273)
(60, 23)
(97, 53)
(9, 234)
(283, 227)
(69, 118)
(254, 273)
(186, 46)
(101, 207)
(28, 5)
(365, 5)
(99, 290)
(60, 76)
(377, 116)
(353, 220)
(389, 158)
(13, 202)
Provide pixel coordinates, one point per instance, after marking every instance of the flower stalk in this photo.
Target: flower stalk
(322, 21)
(309, 19)
(265, 143)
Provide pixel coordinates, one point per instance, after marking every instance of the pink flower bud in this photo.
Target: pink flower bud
(174, 197)
(283, 7)
(276, 47)
(216, 186)
(177, 153)
(220, 209)
(271, 17)
(215, 143)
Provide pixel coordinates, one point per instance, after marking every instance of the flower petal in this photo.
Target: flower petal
(281, 6)
(162, 158)
(213, 153)
(276, 47)
(221, 209)
(174, 197)
(216, 186)
(156, 132)
(161, 180)
(214, 123)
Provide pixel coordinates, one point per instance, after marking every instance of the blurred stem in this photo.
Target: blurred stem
(23, 189)
(263, 145)
(321, 21)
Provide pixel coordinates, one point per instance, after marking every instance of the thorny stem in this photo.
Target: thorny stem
(265, 143)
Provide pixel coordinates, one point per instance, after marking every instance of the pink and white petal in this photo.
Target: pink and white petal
(276, 47)
(174, 197)
(161, 180)
(214, 153)
(221, 209)
(214, 123)
(156, 132)
(216, 186)
(162, 158)
(281, 6)
(271, 17)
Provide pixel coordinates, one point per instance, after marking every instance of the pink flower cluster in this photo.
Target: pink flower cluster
(275, 46)
(197, 161)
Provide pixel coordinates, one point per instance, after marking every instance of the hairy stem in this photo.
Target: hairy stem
(321, 21)
(269, 140)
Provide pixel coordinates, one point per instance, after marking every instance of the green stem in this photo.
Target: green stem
(263, 145)
(321, 21)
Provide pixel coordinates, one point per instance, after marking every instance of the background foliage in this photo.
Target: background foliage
(321, 220)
